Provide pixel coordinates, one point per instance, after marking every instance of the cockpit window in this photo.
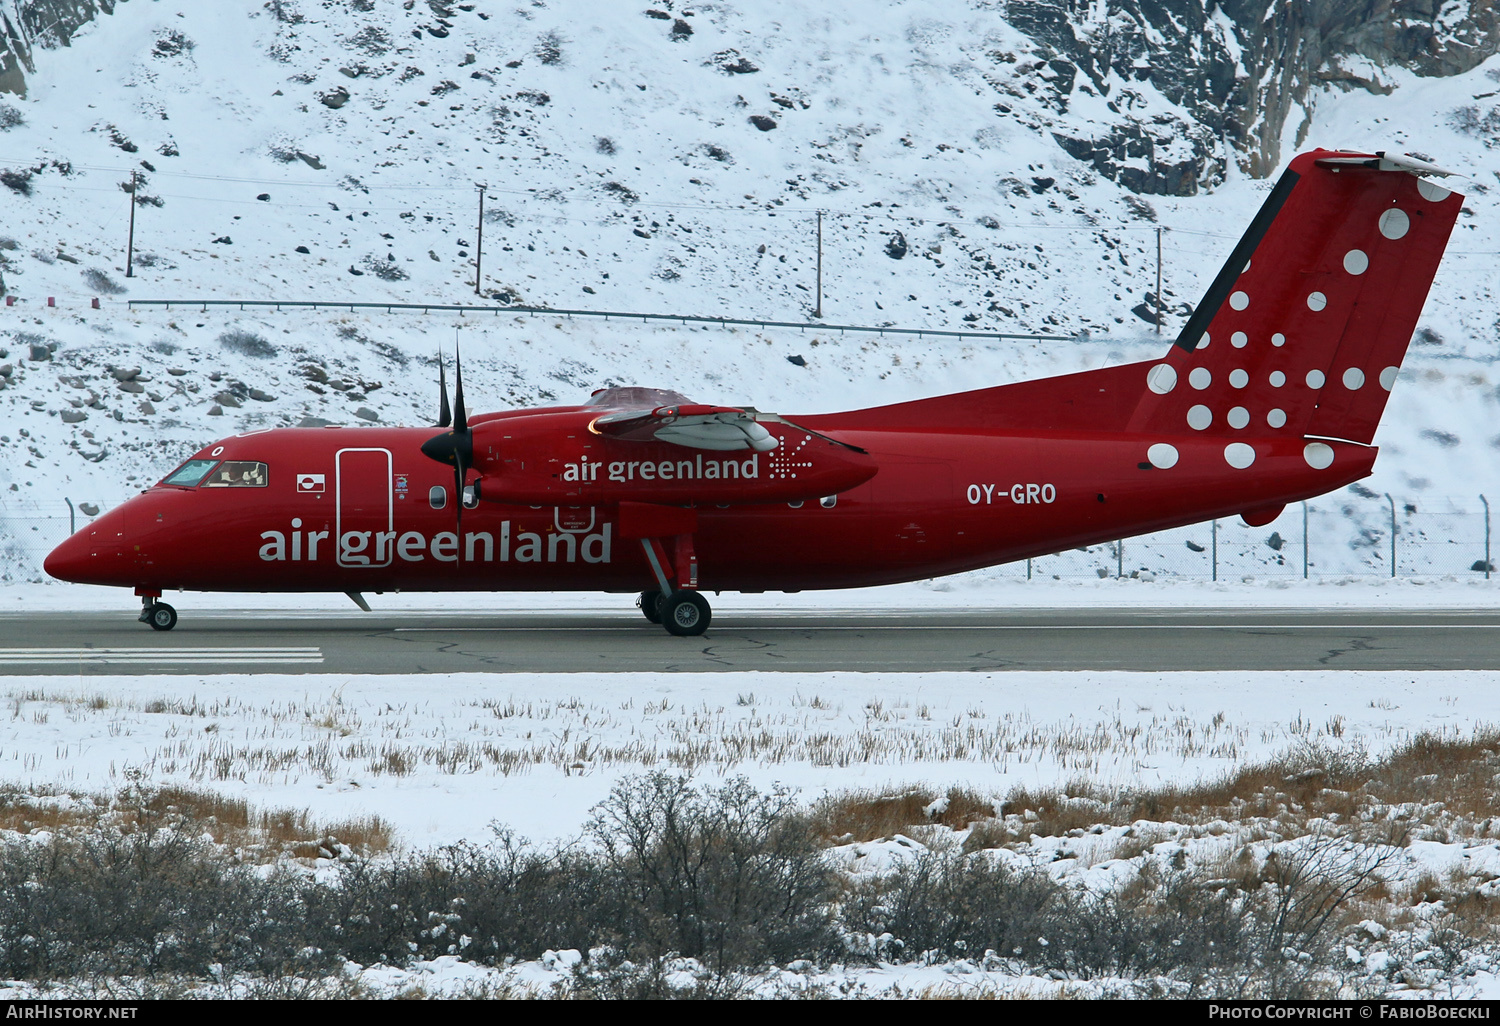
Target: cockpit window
(237, 474)
(190, 473)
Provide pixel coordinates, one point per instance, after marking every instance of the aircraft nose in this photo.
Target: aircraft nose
(70, 560)
(101, 553)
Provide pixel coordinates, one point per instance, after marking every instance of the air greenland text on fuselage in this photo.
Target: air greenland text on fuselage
(696, 469)
(382, 548)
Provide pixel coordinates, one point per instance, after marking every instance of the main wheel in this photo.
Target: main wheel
(649, 603)
(685, 614)
(162, 617)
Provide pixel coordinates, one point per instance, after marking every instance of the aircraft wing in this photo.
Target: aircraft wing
(717, 428)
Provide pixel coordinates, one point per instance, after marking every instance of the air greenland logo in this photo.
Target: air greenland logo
(310, 482)
(382, 548)
(696, 469)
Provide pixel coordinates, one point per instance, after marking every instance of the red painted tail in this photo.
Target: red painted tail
(1301, 333)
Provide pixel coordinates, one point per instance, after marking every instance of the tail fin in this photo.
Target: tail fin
(1304, 329)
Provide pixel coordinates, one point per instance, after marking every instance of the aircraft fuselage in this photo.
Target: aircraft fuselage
(361, 509)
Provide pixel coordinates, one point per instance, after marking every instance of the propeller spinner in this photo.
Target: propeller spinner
(455, 447)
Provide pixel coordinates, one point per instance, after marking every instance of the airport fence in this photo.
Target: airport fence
(1342, 535)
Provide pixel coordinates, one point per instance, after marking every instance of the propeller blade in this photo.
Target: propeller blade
(460, 419)
(445, 416)
(464, 444)
(459, 473)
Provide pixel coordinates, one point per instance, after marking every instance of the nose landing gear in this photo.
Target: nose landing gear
(158, 614)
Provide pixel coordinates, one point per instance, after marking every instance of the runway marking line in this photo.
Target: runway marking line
(213, 655)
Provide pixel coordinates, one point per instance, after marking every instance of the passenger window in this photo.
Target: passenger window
(237, 474)
(437, 497)
(190, 473)
(828, 501)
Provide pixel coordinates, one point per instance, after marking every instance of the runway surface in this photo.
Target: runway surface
(89, 644)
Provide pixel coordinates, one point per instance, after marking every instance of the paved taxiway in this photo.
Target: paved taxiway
(89, 644)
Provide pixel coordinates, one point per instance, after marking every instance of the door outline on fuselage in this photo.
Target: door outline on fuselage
(557, 520)
(338, 511)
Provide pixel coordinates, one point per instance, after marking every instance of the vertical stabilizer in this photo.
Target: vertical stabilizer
(1304, 330)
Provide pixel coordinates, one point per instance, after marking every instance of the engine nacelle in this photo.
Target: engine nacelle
(554, 459)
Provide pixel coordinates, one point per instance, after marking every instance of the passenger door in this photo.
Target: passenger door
(364, 507)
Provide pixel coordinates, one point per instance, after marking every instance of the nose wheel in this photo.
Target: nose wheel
(159, 615)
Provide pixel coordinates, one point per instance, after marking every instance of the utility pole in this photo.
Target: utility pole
(1393, 532)
(1158, 279)
(130, 240)
(1486, 536)
(818, 310)
(479, 246)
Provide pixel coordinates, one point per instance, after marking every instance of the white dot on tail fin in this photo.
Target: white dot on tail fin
(1239, 455)
(1315, 379)
(1317, 301)
(1239, 340)
(1162, 378)
(1394, 223)
(1278, 340)
(1388, 378)
(1239, 300)
(1277, 379)
(1239, 417)
(1162, 456)
(1432, 191)
(1203, 342)
(1318, 455)
(1354, 379)
(1238, 378)
(1355, 261)
(1200, 378)
(1276, 418)
(1200, 417)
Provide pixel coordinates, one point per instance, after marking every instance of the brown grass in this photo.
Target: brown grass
(1298, 786)
(230, 821)
(1442, 787)
(867, 815)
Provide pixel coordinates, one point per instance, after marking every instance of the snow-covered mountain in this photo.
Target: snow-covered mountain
(994, 166)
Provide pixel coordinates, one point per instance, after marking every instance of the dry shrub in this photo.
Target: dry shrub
(731, 876)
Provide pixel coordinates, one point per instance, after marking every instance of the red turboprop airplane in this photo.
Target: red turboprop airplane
(1271, 394)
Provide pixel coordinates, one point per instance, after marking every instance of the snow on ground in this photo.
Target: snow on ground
(441, 757)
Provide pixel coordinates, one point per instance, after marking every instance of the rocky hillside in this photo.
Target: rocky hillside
(1238, 78)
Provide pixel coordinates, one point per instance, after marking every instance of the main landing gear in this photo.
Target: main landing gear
(683, 613)
(676, 603)
(157, 613)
